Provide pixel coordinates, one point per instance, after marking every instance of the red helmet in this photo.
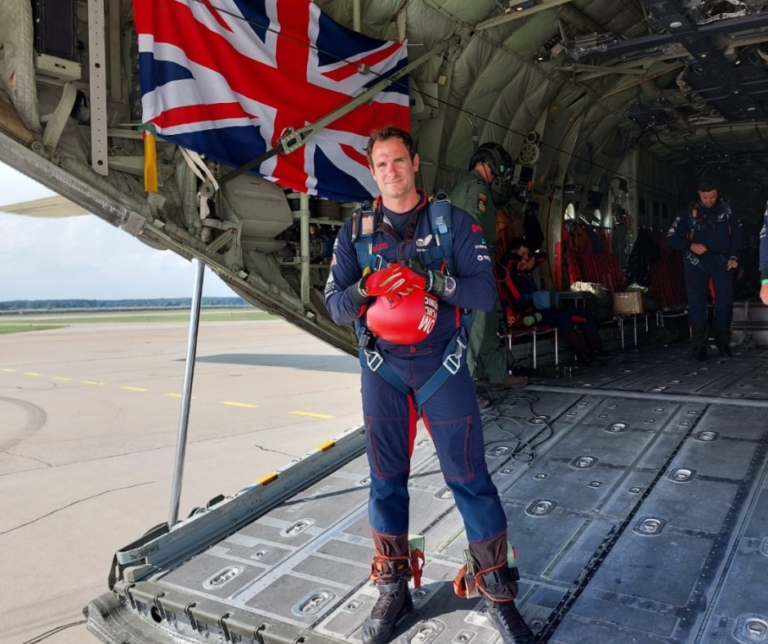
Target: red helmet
(405, 320)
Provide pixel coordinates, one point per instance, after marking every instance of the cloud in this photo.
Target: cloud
(83, 257)
(16, 187)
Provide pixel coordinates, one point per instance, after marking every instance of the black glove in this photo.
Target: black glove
(437, 283)
(357, 292)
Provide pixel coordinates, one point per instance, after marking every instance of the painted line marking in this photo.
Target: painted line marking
(238, 404)
(179, 396)
(61, 378)
(9, 370)
(134, 389)
(312, 415)
(92, 382)
(32, 373)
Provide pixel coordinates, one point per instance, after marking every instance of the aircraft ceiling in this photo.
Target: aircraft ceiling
(684, 79)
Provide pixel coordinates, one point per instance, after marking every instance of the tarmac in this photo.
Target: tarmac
(89, 419)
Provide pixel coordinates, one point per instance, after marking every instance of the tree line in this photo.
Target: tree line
(156, 303)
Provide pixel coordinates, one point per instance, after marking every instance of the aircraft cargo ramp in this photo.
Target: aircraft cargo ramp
(637, 499)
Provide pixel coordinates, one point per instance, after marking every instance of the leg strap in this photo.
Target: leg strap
(387, 569)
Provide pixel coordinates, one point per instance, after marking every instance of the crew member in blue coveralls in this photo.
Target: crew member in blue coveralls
(411, 262)
(710, 237)
(764, 258)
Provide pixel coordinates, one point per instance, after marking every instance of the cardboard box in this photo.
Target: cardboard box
(630, 303)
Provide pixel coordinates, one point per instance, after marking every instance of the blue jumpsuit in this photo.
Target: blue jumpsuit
(451, 414)
(723, 236)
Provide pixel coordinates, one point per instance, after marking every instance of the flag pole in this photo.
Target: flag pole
(189, 370)
(294, 139)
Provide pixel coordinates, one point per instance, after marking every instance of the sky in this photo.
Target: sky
(83, 257)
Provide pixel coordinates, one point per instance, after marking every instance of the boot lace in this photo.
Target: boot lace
(387, 605)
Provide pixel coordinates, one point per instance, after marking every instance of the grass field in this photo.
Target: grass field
(37, 322)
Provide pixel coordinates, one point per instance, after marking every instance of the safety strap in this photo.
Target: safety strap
(384, 567)
(201, 170)
(373, 360)
(441, 222)
(363, 227)
(416, 548)
(454, 357)
(469, 581)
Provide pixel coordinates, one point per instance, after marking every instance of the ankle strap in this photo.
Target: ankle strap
(501, 575)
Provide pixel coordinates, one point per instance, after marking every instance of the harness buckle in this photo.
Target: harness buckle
(452, 362)
(373, 359)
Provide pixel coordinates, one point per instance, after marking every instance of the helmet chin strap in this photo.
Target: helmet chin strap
(488, 174)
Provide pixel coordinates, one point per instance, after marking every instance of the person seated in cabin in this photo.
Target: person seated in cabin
(529, 306)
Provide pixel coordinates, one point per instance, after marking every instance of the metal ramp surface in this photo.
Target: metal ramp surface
(639, 514)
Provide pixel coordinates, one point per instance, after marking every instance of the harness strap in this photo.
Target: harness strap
(371, 359)
(454, 357)
(440, 218)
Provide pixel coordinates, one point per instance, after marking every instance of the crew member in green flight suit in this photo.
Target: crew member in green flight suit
(485, 357)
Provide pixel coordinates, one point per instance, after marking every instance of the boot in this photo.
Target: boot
(497, 582)
(723, 340)
(699, 334)
(391, 572)
(579, 347)
(593, 341)
(512, 382)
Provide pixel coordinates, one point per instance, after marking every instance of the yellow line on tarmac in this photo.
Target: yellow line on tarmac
(133, 388)
(238, 404)
(92, 382)
(32, 373)
(312, 415)
(179, 396)
(61, 378)
(9, 370)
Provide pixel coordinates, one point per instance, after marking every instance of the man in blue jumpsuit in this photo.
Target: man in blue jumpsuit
(764, 258)
(401, 231)
(710, 237)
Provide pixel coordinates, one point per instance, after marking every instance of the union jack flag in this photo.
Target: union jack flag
(227, 80)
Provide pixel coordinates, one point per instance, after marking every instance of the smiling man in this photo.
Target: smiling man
(407, 271)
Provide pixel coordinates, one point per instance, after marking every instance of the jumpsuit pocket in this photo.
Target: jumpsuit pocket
(453, 443)
(388, 446)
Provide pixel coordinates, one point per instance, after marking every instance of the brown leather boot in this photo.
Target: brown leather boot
(497, 582)
(390, 571)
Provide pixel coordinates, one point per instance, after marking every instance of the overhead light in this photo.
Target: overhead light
(519, 5)
(676, 24)
(751, 109)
